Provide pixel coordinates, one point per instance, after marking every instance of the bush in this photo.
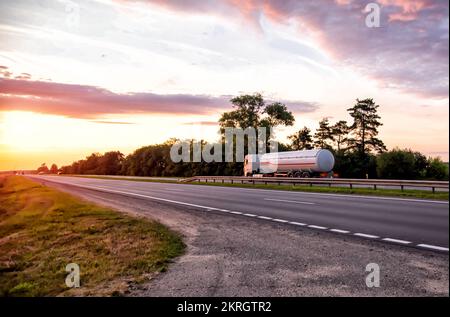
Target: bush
(401, 164)
(437, 169)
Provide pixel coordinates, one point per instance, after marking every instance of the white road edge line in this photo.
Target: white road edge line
(396, 241)
(317, 227)
(364, 235)
(265, 218)
(250, 215)
(433, 247)
(290, 201)
(339, 231)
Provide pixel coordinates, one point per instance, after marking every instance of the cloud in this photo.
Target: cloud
(408, 52)
(82, 101)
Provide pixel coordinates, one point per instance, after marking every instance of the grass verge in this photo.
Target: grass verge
(42, 230)
(342, 190)
(407, 193)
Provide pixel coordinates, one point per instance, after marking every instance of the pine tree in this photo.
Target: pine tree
(323, 135)
(302, 140)
(340, 131)
(364, 129)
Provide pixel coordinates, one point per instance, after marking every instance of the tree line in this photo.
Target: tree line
(358, 151)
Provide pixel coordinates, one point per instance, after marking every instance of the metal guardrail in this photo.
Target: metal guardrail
(375, 183)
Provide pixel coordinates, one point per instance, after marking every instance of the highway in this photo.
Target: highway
(410, 222)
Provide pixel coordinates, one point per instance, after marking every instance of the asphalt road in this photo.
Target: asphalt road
(408, 222)
(236, 255)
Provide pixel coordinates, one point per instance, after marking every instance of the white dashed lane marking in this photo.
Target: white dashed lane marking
(339, 231)
(364, 235)
(297, 223)
(432, 247)
(396, 241)
(317, 227)
(280, 220)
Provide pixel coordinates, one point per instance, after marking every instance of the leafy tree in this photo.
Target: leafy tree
(252, 111)
(54, 169)
(323, 135)
(302, 140)
(110, 163)
(282, 147)
(340, 131)
(90, 164)
(350, 165)
(401, 164)
(364, 129)
(43, 168)
(437, 169)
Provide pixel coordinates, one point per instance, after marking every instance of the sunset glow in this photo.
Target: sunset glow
(93, 76)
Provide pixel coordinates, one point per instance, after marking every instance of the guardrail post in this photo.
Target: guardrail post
(214, 180)
(232, 181)
(310, 184)
(242, 181)
(206, 180)
(432, 188)
(351, 186)
(223, 181)
(253, 182)
(329, 184)
(375, 186)
(401, 186)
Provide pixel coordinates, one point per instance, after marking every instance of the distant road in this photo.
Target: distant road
(410, 222)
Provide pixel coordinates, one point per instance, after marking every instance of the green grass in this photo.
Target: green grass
(42, 230)
(424, 194)
(341, 190)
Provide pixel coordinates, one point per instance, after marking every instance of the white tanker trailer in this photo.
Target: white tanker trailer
(306, 163)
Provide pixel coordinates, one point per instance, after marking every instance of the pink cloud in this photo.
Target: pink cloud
(82, 101)
(412, 39)
(409, 9)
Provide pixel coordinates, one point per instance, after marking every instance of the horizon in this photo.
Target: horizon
(97, 76)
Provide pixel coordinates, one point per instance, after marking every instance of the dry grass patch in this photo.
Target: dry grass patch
(42, 230)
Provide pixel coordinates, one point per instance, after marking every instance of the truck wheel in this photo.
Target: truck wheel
(297, 174)
(305, 175)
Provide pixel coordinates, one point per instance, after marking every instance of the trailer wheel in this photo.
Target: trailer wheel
(305, 175)
(297, 174)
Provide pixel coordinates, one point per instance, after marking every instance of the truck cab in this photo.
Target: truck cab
(251, 164)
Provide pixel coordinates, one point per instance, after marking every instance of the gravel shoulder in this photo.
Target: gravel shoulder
(237, 256)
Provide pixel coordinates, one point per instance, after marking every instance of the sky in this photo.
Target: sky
(78, 77)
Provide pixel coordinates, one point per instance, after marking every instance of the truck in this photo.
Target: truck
(304, 163)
